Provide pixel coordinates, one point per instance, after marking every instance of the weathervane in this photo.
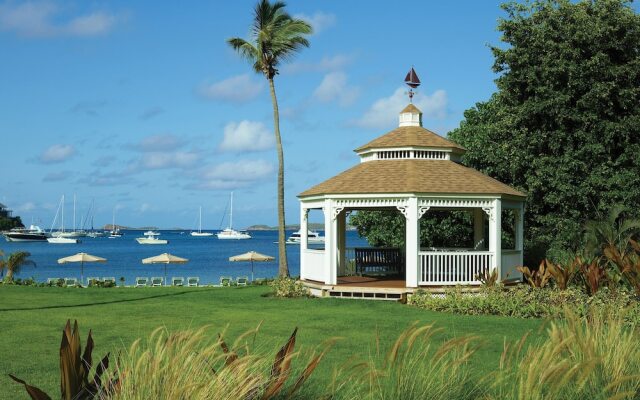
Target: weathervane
(413, 82)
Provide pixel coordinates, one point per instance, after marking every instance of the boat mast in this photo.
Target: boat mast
(231, 213)
(74, 212)
(62, 222)
(200, 224)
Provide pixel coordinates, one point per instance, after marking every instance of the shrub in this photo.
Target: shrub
(523, 301)
(289, 287)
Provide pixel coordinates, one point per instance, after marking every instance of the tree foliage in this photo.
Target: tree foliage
(564, 124)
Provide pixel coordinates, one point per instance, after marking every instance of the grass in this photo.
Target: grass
(32, 320)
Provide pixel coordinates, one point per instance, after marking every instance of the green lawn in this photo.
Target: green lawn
(31, 320)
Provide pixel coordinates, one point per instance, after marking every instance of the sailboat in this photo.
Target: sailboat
(115, 231)
(200, 233)
(59, 236)
(230, 233)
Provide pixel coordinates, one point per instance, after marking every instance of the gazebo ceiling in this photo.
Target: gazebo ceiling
(411, 176)
(411, 136)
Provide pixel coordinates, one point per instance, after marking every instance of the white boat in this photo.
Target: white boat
(115, 231)
(33, 234)
(59, 236)
(312, 238)
(151, 239)
(200, 233)
(75, 233)
(62, 240)
(230, 233)
(151, 233)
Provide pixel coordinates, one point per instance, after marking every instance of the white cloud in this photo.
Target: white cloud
(326, 64)
(160, 160)
(158, 143)
(41, 19)
(230, 175)
(334, 87)
(246, 136)
(384, 112)
(26, 207)
(319, 21)
(57, 153)
(240, 88)
(145, 207)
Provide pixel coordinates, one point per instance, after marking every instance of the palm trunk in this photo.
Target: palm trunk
(9, 276)
(283, 267)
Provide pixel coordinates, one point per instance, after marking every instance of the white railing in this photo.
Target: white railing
(313, 265)
(510, 260)
(452, 267)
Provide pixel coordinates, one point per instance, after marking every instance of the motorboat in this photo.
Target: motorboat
(115, 231)
(312, 238)
(151, 239)
(199, 233)
(62, 240)
(32, 234)
(151, 233)
(230, 233)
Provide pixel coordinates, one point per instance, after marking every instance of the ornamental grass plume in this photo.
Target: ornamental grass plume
(597, 357)
(191, 365)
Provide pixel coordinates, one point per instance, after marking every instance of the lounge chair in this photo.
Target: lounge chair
(226, 281)
(193, 281)
(157, 281)
(111, 279)
(142, 281)
(242, 281)
(91, 281)
(70, 281)
(177, 281)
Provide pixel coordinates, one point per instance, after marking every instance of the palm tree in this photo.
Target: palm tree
(613, 230)
(274, 37)
(13, 263)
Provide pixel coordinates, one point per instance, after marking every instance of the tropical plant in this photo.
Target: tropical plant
(488, 277)
(562, 274)
(628, 263)
(14, 262)
(538, 278)
(275, 37)
(289, 287)
(75, 368)
(614, 232)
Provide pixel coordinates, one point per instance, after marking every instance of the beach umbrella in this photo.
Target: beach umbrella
(81, 258)
(251, 256)
(165, 258)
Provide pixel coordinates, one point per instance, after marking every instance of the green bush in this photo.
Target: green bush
(289, 287)
(523, 301)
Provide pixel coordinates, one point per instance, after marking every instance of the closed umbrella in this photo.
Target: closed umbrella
(81, 258)
(165, 258)
(251, 256)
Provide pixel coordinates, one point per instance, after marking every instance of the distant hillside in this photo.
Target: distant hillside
(109, 227)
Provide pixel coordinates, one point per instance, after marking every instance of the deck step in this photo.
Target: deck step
(364, 295)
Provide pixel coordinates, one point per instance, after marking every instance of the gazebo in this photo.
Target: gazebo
(414, 171)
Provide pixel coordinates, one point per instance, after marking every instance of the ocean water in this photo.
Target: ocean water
(208, 256)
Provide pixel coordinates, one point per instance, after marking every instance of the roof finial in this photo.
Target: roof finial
(412, 81)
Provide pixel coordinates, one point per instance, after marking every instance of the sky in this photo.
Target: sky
(142, 107)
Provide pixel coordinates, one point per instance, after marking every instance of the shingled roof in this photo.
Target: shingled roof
(411, 176)
(411, 136)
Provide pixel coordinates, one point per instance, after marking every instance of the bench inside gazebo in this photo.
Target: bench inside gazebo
(412, 171)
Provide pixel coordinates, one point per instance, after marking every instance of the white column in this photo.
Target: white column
(342, 240)
(303, 241)
(412, 239)
(519, 229)
(330, 244)
(478, 229)
(495, 235)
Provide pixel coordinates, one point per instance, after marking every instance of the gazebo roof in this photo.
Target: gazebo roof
(411, 136)
(411, 176)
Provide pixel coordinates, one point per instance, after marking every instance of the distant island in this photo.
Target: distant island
(109, 227)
